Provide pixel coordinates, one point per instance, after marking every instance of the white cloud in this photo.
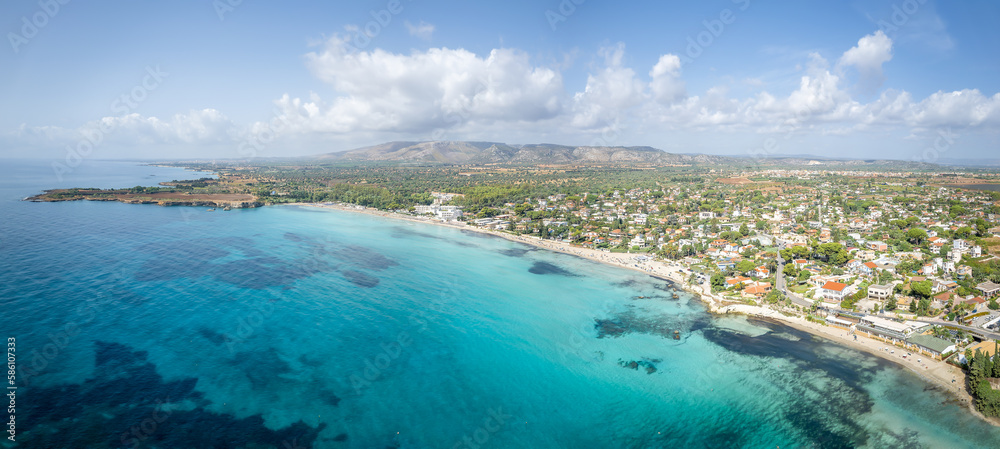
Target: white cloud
(666, 84)
(964, 108)
(867, 57)
(195, 128)
(378, 95)
(423, 30)
(441, 87)
(609, 93)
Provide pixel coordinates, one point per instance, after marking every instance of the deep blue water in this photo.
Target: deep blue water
(285, 327)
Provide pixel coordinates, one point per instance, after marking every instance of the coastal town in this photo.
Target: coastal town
(477, 225)
(911, 267)
(901, 264)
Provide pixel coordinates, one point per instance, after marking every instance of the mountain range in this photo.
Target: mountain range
(477, 153)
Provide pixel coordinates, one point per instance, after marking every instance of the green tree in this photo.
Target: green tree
(789, 270)
(718, 282)
(923, 307)
(916, 235)
(800, 252)
(522, 208)
(745, 266)
(488, 212)
(921, 288)
(993, 304)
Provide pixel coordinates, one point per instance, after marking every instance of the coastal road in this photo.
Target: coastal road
(779, 283)
(977, 330)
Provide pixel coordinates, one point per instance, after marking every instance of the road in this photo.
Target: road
(779, 283)
(977, 330)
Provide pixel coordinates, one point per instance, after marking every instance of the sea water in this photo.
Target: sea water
(296, 327)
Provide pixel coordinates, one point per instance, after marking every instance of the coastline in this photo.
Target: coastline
(944, 376)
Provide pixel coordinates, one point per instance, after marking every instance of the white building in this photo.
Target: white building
(420, 209)
(834, 291)
(446, 213)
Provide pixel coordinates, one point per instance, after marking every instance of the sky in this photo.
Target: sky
(224, 79)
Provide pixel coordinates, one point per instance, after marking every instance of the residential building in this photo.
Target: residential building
(834, 291)
(890, 330)
(988, 288)
(758, 289)
(879, 292)
(930, 345)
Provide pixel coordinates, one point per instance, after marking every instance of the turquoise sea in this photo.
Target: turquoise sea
(295, 327)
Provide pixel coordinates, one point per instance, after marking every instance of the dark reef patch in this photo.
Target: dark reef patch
(648, 365)
(212, 335)
(171, 267)
(256, 269)
(263, 272)
(724, 438)
(365, 258)
(842, 398)
(293, 237)
(188, 250)
(402, 232)
(609, 328)
(126, 392)
(820, 431)
(662, 325)
(312, 362)
(261, 367)
(666, 287)
(628, 283)
(360, 279)
(517, 252)
(195, 258)
(548, 268)
(328, 397)
(805, 354)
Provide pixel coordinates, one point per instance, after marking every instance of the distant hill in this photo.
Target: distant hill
(472, 153)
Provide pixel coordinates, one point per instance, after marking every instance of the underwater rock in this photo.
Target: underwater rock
(548, 268)
(649, 365)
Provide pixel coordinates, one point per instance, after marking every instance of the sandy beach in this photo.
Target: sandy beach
(947, 377)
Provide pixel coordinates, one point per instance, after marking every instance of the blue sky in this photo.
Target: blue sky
(231, 79)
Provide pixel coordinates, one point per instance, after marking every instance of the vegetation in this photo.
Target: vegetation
(981, 368)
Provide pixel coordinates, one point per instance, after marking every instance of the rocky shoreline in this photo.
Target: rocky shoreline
(222, 201)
